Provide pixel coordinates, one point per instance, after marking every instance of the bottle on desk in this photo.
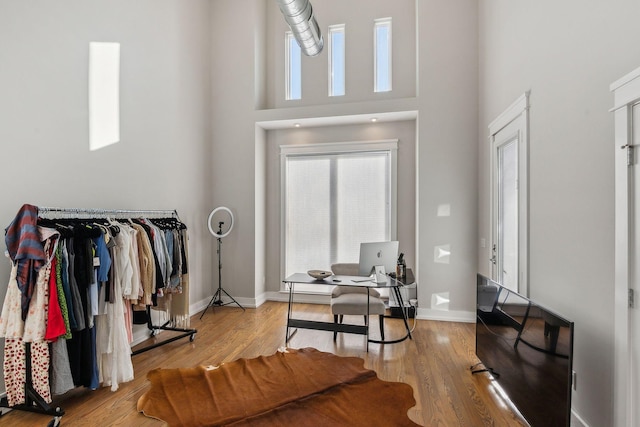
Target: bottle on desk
(401, 268)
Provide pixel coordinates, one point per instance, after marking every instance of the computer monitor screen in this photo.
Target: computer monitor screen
(378, 253)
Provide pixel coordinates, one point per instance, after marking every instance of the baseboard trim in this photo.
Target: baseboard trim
(446, 316)
(199, 306)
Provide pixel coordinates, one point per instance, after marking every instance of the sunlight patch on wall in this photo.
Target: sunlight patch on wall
(444, 210)
(104, 94)
(442, 254)
(440, 301)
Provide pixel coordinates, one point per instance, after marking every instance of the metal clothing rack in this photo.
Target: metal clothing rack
(34, 402)
(85, 213)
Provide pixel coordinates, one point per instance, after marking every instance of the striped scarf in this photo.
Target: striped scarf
(25, 249)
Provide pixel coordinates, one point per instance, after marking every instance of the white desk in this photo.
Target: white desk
(356, 281)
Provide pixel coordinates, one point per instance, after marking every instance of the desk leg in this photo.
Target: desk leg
(289, 309)
(398, 295)
(396, 289)
(368, 314)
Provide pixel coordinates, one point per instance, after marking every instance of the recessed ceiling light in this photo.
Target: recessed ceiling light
(374, 119)
(296, 125)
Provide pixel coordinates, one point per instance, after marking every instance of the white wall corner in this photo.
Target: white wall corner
(576, 420)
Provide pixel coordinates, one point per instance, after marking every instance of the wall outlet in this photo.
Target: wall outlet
(574, 383)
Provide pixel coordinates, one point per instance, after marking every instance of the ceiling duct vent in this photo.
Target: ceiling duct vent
(299, 16)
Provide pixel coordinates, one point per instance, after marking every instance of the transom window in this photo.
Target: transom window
(382, 55)
(336, 60)
(293, 67)
(336, 72)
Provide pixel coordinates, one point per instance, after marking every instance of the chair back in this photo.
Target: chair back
(346, 269)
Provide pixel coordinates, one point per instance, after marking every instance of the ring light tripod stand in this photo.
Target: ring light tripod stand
(217, 297)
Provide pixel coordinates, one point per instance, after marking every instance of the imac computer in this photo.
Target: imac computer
(378, 253)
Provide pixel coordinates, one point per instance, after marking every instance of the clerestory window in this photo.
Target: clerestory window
(382, 55)
(336, 49)
(293, 68)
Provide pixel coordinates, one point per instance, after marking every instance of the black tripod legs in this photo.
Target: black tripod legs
(217, 300)
(217, 297)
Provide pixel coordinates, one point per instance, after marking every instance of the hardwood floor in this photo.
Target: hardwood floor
(435, 363)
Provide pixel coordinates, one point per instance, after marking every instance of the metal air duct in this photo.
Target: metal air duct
(299, 16)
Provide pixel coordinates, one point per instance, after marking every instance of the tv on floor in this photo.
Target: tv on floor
(528, 349)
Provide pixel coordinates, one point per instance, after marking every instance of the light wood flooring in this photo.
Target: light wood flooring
(435, 363)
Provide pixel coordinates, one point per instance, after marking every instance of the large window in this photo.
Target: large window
(336, 196)
(382, 55)
(293, 66)
(336, 60)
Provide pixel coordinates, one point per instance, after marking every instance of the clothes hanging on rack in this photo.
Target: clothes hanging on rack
(95, 270)
(17, 331)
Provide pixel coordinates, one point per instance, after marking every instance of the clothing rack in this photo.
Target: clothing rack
(34, 402)
(87, 213)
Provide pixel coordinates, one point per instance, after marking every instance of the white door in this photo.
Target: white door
(505, 208)
(634, 285)
(508, 144)
(627, 250)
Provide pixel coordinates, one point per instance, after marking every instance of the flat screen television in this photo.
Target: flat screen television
(529, 351)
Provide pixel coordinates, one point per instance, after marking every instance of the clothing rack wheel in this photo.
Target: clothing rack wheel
(55, 422)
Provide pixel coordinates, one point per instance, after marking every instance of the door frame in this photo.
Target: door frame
(517, 113)
(626, 94)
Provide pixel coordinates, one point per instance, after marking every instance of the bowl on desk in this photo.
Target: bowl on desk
(319, 274)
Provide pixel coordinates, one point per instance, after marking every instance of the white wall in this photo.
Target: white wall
(237, 69)
(163, 159)
(446, 158)
(567, 53)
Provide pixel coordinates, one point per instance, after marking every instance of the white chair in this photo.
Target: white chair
(352, 300)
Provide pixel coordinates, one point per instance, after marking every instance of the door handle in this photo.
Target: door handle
(630, 151)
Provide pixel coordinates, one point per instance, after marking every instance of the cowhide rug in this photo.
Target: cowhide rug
(304, 387)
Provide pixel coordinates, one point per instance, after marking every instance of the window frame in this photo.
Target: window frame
(387, 145)
(378, 23)
(333, 29)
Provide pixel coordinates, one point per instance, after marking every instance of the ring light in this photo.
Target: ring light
(213, 212)
(217, 296)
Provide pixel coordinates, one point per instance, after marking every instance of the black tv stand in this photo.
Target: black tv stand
(478, 371)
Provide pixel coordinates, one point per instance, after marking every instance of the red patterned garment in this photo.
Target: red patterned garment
(25, 249)
(55, 321)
